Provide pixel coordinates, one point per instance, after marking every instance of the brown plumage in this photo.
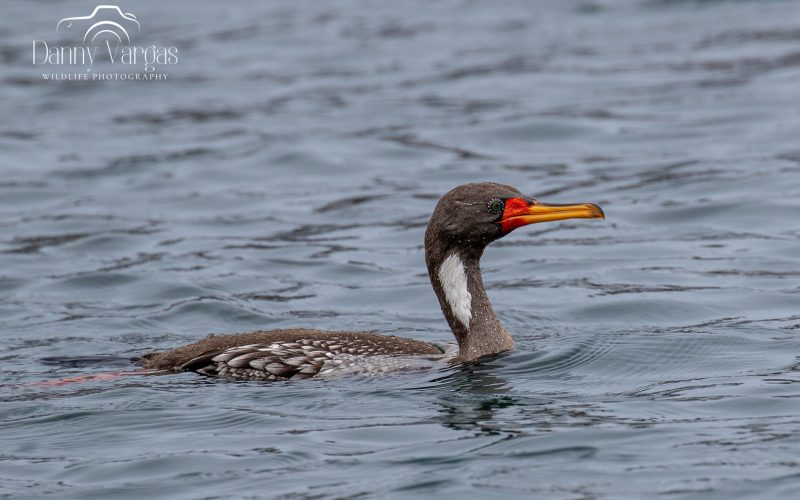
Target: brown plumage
(283, 354)
(464, 222)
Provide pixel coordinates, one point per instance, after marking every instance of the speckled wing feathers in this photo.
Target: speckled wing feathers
(285, 354)
(276, 361)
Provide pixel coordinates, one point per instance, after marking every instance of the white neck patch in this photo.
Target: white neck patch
(453, 279)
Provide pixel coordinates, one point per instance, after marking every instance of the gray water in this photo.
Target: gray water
(283, 175)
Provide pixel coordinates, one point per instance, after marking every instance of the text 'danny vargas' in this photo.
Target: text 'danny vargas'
(148, 58)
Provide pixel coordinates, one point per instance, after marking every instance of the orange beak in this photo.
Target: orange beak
(518, 212)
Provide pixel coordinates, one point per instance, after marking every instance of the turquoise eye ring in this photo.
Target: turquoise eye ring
(496, 206)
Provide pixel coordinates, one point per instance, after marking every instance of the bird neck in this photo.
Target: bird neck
(456, 279)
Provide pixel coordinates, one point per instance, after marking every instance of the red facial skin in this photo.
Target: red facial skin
(514, 208)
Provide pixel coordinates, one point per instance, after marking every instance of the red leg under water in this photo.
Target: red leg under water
(99, 377)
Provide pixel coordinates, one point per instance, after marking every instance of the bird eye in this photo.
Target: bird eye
(496, 206)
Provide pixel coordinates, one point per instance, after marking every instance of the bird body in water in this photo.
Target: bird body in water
(464, 222)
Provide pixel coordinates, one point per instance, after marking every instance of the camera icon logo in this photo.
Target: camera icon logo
(107, 22)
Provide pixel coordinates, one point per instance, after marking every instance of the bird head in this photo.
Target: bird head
(471, 216)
